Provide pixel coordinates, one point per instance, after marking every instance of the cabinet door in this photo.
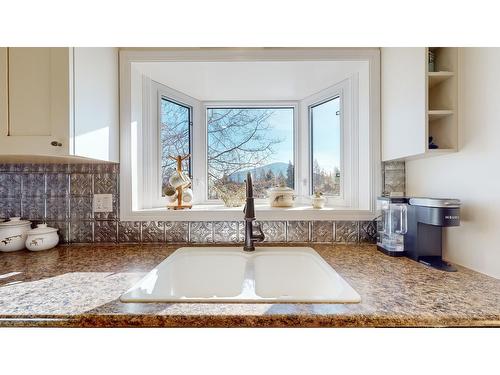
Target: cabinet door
(37, 120)
(403, 100)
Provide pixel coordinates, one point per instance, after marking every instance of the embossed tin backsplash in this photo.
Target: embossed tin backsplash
(61, 196)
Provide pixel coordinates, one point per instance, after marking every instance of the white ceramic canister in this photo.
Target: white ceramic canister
(318, 202)
(281, 197)
(13, 234)
(42, 238)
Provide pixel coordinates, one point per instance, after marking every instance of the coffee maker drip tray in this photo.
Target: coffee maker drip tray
(437, 262)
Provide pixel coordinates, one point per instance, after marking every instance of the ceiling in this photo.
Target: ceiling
(255, 80)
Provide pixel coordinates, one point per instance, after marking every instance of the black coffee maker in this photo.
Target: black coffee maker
(425, 219)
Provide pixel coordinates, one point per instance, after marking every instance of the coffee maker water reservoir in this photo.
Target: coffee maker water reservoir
(392, 226)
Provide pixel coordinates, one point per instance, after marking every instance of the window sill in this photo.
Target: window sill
(210, 212)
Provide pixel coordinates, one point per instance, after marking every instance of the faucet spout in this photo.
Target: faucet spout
(249, 210)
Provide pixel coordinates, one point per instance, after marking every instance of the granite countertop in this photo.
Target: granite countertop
(80, 286)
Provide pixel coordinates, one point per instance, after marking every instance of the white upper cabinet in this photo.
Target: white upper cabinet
(59, 102)
(418, 101)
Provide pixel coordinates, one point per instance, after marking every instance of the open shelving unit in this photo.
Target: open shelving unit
(419, 101)
(442, 100)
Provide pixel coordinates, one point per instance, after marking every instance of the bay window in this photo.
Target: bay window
(324, 140)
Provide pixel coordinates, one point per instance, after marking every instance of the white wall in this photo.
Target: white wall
(96, 103)
(472, 174)
(243, 80)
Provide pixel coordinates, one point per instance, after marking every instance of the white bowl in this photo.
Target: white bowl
(42, 238)
(13, 234)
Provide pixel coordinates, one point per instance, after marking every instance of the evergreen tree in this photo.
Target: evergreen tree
(269, 175)
(290, 175)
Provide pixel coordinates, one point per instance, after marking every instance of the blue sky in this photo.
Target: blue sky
(326, 134)
(281, 123)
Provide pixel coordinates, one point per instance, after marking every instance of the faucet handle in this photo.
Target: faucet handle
(261, 236)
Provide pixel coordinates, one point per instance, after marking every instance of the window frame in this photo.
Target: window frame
(132, 128)
(348, 143)
(295, 105)
(152, 177)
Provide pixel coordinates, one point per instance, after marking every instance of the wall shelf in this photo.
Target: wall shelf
(439, 151)
(435, 78)
(442, 100)
(439, 113)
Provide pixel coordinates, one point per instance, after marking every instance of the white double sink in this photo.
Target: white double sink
(228, 274)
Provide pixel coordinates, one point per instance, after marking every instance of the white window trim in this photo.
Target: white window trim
(131, 206)
(348, 145)
(151, 155)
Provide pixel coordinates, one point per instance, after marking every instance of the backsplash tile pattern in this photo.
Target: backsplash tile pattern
(57, 185)
(80, 231)
(176, 231)
(129, 231)
(153, 231)
(393, 177)
(298, 231)
(226, 231)
(367, 231)
(322, 231)
(61, 195)
(11, 207)
(346, 231)
(275, 231)
(10, 185)
(106, 231)
(201, 231)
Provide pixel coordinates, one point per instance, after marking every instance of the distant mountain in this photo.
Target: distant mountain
(276, 168)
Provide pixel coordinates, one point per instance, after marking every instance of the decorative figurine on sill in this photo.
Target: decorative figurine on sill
(232, 194)
(432, 145)
(318, 200)
(181, 183)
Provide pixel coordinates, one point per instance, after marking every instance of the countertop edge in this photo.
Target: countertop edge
(235, 321)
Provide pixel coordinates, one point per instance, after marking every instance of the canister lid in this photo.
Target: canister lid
(281, 189)
(14, 221)
(42, 229)
(435, 202)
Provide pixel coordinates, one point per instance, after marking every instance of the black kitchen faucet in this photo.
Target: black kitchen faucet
(249, 210)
